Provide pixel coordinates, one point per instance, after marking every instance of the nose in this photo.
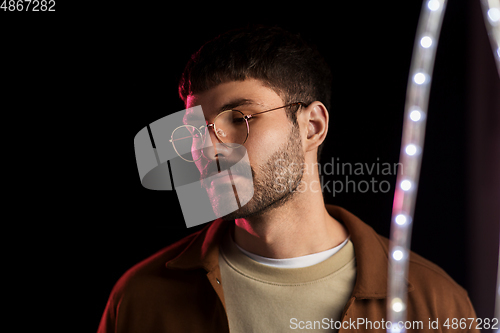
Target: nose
(216, 148)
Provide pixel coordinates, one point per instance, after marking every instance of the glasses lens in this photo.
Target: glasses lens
(231, 128)
(186, 140)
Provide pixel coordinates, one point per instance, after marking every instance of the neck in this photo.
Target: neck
(299, 227)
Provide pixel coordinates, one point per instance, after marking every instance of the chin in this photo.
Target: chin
(240, 213)
(224, 199)
(256, 208)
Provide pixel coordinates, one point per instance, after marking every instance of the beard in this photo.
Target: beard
(277, 179)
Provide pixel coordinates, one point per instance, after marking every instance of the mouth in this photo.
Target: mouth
(227, 176)
(223, 178)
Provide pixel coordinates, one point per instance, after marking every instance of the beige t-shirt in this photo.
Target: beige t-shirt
(261, 298)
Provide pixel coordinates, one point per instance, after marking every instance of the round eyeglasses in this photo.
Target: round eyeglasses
(230, 127)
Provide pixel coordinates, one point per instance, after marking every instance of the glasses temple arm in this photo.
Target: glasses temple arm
(281, 107)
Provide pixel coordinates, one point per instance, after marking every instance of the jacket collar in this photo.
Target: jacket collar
(370, 249)
(203, 251)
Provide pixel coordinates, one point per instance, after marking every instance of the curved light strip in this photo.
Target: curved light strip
(417, 99)
(491, 11)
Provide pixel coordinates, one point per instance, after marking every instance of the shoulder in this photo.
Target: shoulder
(137, 289)
(423, 272)
(150, 282)
(151, 294)
(431, 288)
(173, 270)
(151, 268)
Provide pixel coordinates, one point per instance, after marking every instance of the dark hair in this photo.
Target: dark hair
(283, 61)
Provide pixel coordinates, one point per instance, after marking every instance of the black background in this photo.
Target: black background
(369, 48)
(116, 69)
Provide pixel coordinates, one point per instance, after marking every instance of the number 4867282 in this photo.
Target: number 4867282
(28, 5)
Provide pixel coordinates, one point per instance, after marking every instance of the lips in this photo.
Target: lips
(222, 179)
(211, 172)
(223, 176)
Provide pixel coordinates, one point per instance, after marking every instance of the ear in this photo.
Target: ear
(315, 117)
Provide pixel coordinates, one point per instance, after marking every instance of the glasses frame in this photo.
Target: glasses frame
(212, 125)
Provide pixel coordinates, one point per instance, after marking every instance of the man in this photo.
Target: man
(284, 261)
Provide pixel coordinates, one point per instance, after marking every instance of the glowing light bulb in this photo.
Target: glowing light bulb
(405, 185)
(400, 219)
(397, 305)
(415, 115)
(426, 42)
(419, 78)
(397, 255)
(494, 14)
(433, 5)
(411, 149)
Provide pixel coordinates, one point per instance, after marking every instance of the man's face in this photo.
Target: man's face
(274, 147)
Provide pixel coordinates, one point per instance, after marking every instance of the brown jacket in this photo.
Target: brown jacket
(179, 288)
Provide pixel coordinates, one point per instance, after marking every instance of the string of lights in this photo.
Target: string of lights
(417, 99)
(491, 11)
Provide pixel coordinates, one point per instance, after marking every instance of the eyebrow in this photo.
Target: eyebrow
(190, 117)
(238, 102)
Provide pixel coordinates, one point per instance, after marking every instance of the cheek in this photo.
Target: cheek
(264, 144)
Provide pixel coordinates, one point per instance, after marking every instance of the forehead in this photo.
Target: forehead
(249, 93)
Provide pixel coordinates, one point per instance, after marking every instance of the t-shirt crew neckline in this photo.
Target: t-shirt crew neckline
(249, 267)
(297, 262)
